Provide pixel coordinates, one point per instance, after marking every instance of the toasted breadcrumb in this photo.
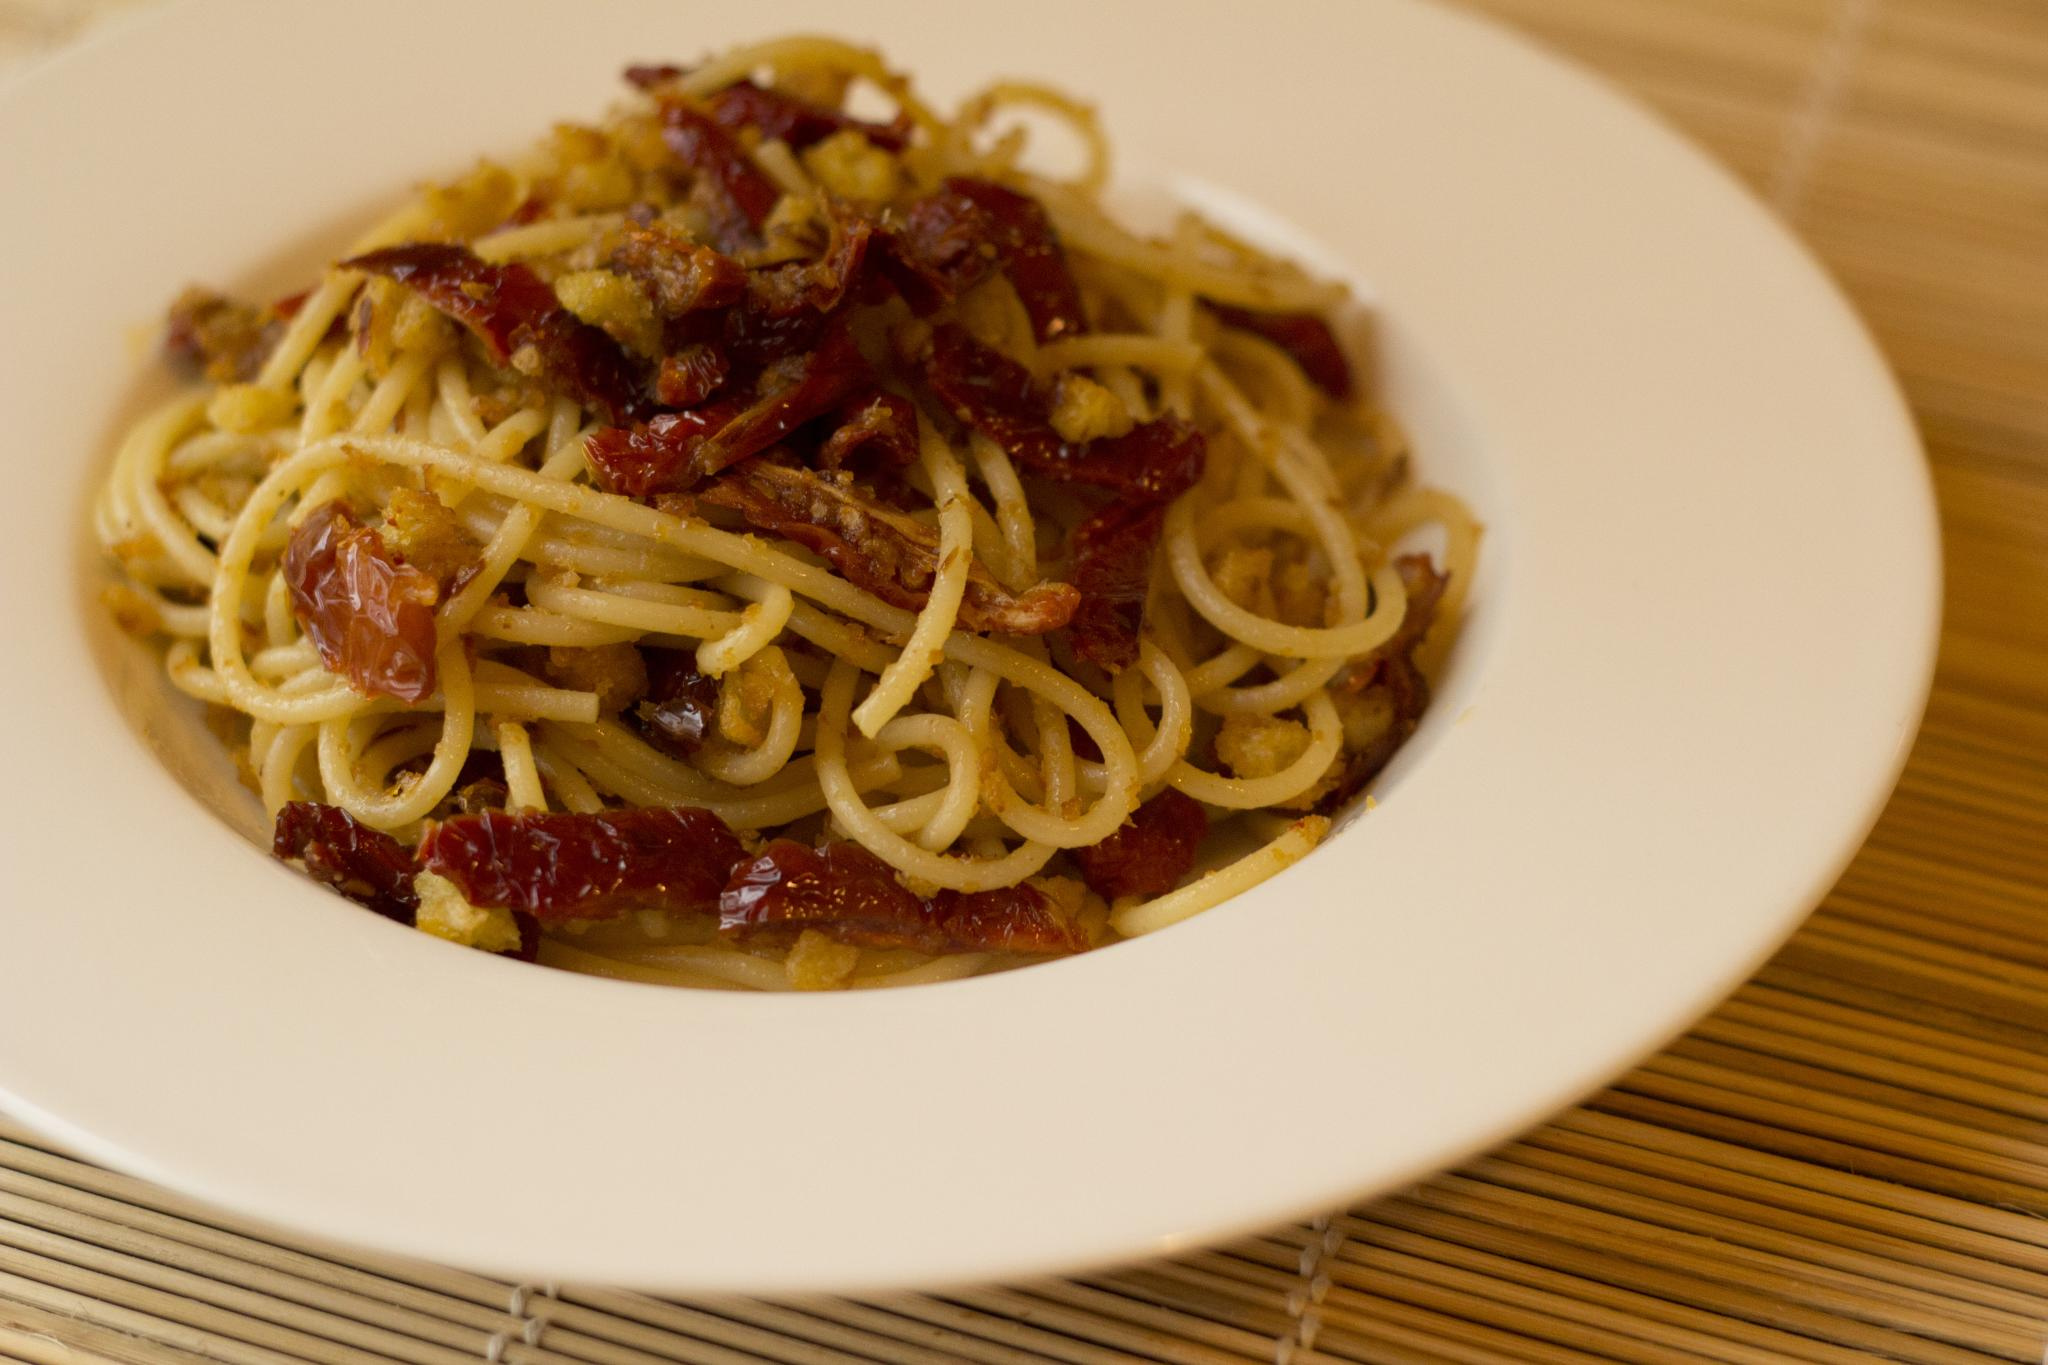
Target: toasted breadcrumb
(617, 673)
(419, 529)
(614, 303)
(1365, 715)
(1298, 595)
(746, 701)
(445, 914)
(848, 165)
(1243, 574)
(1259, 746)
(419, 326)
(132, 612)
(591, 171)
(475, 204)
(817, 962)
(247, 408)
(795, 230)
(1083, 410)
(495, 405)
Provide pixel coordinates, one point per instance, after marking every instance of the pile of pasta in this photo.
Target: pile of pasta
(747, 543)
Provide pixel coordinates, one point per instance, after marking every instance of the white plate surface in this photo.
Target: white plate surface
(1698, 651)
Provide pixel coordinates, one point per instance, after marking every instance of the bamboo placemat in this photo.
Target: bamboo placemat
(1847, 1162)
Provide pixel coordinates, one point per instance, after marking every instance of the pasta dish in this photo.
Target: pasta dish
(778, 537)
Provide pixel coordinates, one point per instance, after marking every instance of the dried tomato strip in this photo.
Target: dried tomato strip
(872, 421)
(798, 122)
(1392, 667)
(1146, 468)
(877, 548)
(681, 703)
(340, 852)
(1032, 257)
(1150, 853)
(1112, 570)
(370, 616)
(850, 894)
(743, 195)
(510, 309)
(675, 450)
(1304, 336)
(561, 865)
(987, 390)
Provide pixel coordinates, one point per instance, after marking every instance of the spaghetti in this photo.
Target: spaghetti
(748, 545)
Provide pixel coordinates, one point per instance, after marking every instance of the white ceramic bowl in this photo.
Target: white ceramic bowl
(1695, 659)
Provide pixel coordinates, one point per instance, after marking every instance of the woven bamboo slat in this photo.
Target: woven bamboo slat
(1848, 1161)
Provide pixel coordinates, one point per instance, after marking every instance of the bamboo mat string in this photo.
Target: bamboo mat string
(1847, 1162)
(1825, 87)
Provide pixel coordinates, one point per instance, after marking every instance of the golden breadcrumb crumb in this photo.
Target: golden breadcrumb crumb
(419, 529)
(1083, 410)
(1259, 746)
(613, 302)
(1243, 574)
(1298, 595)
(247, 408)
(616, 672)
(746, 701)
(445, 914)
(848, 165)
(475, 204)
(132, 612)
(817, 962)
(1365, 715)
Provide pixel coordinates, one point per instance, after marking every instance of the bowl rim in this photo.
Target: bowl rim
(1557, 850)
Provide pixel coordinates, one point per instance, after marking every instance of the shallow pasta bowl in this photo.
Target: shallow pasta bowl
(1697, 651)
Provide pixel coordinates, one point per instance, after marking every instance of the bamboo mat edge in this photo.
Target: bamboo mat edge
(1843, 1163)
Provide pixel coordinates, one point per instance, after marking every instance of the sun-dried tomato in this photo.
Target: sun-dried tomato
(872, 422)
(659, 455)
(681, 703)
(561, 865)
(649, 76)
(511, 309)
(221, 338)
(841, 889)
(946, 242)
(848, 893)
(370, 616)
(987, 390)
(674, 451)
(938, 247)
(1148, 854)
(798, 122)
(1031, 256)
(892, 555)
(1008, 919)
(819, 285)
(679, 276)
(529, 938)
(1146, 468)
(740, 196)
(1112, 569)
(366, 865)
(1392, 668)
(692, 375)
(1304, 336)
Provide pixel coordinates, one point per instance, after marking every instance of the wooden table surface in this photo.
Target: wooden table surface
(1847, 1162)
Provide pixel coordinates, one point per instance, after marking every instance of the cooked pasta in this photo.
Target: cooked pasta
(747, 545)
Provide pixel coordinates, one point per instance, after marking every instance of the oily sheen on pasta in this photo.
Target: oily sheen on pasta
(776, 538)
